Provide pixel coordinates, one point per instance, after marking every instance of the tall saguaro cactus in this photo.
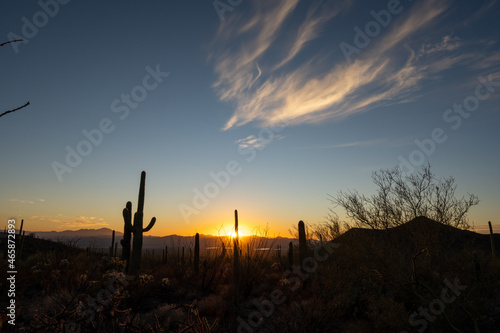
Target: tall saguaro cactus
(196, 259)
(236, 256)
(20, 241)
(492, 240)
(136, 228)
(112, 247)
(127, 234)
(302, 242)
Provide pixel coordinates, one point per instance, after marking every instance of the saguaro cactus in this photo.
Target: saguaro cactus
(223, 252)
(290, 255)
(196, 259)
(137, 228)
(20, 230)
(492, 240)
(248, 252)
(127, 234)
(302, 242)
(20, 241)
(112, 247)
(278, 254)
(19, 235)
(236, 256)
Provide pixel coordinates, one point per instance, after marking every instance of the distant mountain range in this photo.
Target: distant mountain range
(101, 239)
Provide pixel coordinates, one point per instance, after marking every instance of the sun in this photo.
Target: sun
(241, 231)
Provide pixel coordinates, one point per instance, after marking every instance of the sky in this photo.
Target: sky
(267, 107)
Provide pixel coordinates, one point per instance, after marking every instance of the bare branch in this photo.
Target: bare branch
(28, 103)
(25, 105)
(12, 41)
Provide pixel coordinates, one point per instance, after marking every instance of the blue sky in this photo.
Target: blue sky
(265, 107)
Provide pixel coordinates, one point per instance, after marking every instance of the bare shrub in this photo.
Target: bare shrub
(402, 197)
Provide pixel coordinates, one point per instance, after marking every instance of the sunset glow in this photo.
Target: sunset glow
(267, 107)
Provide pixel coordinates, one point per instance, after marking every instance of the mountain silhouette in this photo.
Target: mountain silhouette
(419, 233)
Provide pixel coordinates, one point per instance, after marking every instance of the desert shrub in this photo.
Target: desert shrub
(402, 197)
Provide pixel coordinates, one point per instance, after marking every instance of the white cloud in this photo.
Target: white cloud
(253, 142)
(368, 143)
(29, 202)
(317, 16)
(299, 95)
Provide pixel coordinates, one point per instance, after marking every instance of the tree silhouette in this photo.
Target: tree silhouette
(401, 198)
(27, 103)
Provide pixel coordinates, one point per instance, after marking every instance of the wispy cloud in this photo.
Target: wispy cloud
(253, 142)
(29, 202)
(368, 143)
(65, 222)
(266, 91)
(448, 43)
(319, 14)
(490, 61)
(236, 69)
(481, 12)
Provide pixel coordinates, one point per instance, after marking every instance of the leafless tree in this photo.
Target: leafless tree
(401, 198)
(27, 103)
(329, 229)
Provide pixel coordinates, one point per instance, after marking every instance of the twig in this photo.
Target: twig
(12, 41)
(25, 105)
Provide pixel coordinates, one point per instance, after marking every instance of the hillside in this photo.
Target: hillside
(419, 232)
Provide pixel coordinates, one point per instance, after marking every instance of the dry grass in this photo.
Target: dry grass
(366, 285)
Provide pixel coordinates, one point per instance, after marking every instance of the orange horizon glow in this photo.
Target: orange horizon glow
(166, 229)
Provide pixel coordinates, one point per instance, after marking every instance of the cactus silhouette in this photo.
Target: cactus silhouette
(20, 241)
(136, 229)
(236, 256)
(182, 258)
(223, 252)
(112, 247)
(127, 234)
(302, 242)
(492, 240)
(196, 260)
(290, 255)
(20, 233)
(248, 252)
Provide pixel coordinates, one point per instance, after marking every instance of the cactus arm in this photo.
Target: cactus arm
(151, 224)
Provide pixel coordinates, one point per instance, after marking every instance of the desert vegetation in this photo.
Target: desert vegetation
(407, 262)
